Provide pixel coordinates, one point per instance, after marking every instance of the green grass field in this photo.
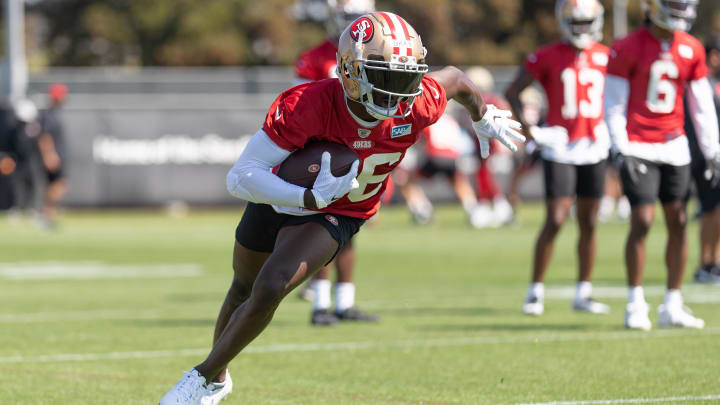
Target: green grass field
(113, 306)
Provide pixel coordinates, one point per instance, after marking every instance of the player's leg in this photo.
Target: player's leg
(590, 187)
(709, 199)
(345, 308)
(246, 266)
(674, 190)
(56, 188)
(641, 185)
(559, 188)
(321, 297)
(300, 251)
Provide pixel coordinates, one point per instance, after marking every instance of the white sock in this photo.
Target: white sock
(321, 298)
(501, 203)
(344, 296)
(583, 290)
(673, 298)
(636, 294)
(537, 290)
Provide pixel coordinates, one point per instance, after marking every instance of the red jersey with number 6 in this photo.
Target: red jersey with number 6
(317, 111)
(657, 73)
(574, 82)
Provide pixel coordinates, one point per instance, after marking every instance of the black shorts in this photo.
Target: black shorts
(565, 180)
(708, 195)
(656, 180)
(260, 224)
(432, 166)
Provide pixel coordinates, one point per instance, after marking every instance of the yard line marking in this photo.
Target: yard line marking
(318, 347)
(33, 317)
(626, 401)
(90, 270)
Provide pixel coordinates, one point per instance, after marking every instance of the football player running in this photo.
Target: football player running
(320, 63)
(648, 74)
(574, 144)
(287, 232)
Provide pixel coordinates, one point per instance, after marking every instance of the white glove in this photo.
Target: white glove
(328, 188)
(550, 137)
(497, 124)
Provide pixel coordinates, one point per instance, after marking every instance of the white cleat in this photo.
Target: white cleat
(636, 316)
(533, 306)
(678, 316)
(591, 306)
(188, 391)
(216, 391)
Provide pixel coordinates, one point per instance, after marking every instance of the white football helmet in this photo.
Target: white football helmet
(342, 12)
(381, 62)
(671, 14)
(581, 21)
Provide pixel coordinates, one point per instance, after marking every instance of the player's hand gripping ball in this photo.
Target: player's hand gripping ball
(329, 177)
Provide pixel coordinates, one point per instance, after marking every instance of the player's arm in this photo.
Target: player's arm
(488, 121)
(252, 179)
(523, 79)
(49, 154)
(617, 92)
(701, 106)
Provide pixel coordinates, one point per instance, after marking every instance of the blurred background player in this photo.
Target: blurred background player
(28, 179)
(533, 107)
(444, 149)
(11, 154)
(648, 74)
(51, 144)
(706, 178)
(493, 207)
(574, 144)
(613, 204)
(320, 63)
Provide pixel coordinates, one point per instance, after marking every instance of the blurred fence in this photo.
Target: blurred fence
(150, 136)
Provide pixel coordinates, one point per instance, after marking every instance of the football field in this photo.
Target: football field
(114, 305)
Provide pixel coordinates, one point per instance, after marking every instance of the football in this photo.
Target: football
(302, 166)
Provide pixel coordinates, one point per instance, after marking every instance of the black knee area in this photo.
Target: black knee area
(588, 225)
(553, 223)
(677, 223)
(240, 290)
(269, 292)
(640, 228)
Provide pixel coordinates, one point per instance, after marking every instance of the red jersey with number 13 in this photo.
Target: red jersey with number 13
(657, 73)
(316, 111)
(574, 82)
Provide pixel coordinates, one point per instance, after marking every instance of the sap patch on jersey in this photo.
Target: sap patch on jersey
(400, 130)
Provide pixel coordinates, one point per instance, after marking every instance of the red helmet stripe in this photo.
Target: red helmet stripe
(389, 23)
(404, 27)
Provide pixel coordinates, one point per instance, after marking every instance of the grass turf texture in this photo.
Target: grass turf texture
(450, 297)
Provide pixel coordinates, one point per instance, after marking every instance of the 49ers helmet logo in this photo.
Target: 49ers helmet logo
(362, 25)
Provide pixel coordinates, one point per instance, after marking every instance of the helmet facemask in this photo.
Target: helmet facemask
(674, 14)
(581, 25)
(384, 85)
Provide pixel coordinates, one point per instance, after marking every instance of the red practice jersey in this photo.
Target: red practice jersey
(316, 111)
(657, 73)
(444, 139)
(318, 63)
(574, 83)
